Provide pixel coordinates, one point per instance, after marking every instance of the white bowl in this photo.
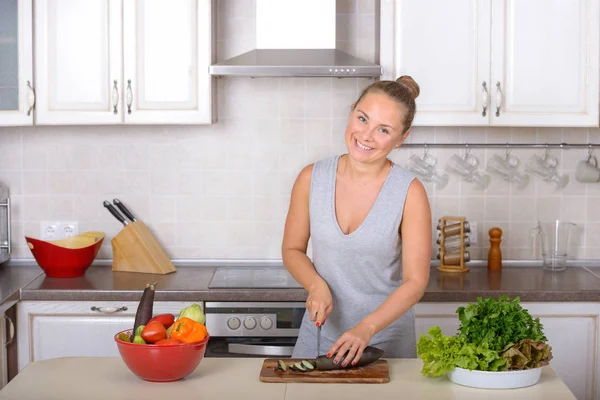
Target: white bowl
(495, 380)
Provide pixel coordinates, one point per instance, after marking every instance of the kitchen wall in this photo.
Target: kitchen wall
(222, 191)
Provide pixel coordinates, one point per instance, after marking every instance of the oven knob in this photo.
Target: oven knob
(233, 323)
(266, 323)
(250, 323)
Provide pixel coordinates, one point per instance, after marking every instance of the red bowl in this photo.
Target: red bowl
(66, 258)
(161, 363)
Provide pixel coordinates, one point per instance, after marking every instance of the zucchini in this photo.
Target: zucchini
(299, 367)
(369, 355)
(307, 365)
(281, 365)
(144, 310)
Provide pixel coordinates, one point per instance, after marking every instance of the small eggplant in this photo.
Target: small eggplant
(369, 355)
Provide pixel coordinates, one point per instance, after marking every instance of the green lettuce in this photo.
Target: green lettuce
(441, 354)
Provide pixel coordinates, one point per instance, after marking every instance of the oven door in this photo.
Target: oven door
(250, 347)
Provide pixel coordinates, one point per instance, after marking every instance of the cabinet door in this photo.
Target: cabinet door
(167, 55)
(545, 61)
(16, 69)
(65, 328)
(78, 61)
(445, 47)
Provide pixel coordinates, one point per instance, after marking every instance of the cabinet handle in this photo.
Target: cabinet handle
(30, 97)
(498, 99)
(485, 98)
(129, 96)
(12, 330)
(108, 310)
(115, 97)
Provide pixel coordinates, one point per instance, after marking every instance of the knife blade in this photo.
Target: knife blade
(114, 212)
(124, 210)
(318, 341)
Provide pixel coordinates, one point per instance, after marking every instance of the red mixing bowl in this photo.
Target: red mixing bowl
(161, 363)
(66, 258)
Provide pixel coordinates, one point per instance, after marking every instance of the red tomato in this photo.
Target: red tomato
(169, 341)
(165, 319)
(153, 332)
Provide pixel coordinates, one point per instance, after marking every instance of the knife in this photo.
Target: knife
(124, 210)
(114, 212)
(319, 340)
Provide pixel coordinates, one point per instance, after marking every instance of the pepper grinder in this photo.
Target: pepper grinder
(495, 254)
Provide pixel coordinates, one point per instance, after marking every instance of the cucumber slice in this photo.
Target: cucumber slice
(282, 365)
(308, 365)
(299, 367)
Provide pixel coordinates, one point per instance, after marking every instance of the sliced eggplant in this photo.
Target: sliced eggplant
(369, 355)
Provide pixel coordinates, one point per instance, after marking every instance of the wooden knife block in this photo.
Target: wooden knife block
(135, 249)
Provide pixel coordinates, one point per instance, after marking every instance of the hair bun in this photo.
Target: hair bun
(409, 83)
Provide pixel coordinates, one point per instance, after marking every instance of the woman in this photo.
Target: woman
(370, 225)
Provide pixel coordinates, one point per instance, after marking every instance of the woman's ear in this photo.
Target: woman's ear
(404, 136)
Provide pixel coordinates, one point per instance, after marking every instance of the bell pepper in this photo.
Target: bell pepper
(188, 331)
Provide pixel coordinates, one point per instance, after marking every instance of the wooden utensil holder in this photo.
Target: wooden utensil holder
(460, 267)
(135, 249)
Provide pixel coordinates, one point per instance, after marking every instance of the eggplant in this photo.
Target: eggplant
(369, 355)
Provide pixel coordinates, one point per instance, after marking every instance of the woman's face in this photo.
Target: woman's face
(374, 128)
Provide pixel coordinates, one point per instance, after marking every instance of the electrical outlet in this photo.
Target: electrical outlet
(55, 230)
(474, 233)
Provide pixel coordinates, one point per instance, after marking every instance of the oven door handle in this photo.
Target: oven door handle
(261, 350)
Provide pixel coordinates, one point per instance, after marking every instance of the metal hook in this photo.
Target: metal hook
(590, 151)
(425, 150)
(467, 150)
(547, 151)
(507, 150)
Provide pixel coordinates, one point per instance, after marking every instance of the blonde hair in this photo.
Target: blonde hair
(403, 90)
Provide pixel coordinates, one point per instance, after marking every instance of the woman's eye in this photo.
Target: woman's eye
(362, 119)
(383, 130)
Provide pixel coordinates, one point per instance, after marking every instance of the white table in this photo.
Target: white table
(238, 378)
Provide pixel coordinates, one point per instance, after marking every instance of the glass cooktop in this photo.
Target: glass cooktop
(253, 278)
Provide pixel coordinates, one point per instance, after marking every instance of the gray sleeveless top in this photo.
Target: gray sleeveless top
(362, 268)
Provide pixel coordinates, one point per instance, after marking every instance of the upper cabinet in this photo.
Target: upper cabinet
(16, 68)
(123, 61)
(501, 62)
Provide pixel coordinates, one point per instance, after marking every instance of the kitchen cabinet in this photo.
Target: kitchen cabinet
(16, 66)
(497, 63)
(123, 62)
(51, 329)
(571, 329)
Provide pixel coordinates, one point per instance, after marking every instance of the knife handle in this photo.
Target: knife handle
(124, 210)
(114, 212)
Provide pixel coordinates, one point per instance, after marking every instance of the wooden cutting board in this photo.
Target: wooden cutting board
(377, 372)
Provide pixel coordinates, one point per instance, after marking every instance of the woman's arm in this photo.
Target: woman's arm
(415, 231)
(293, 249)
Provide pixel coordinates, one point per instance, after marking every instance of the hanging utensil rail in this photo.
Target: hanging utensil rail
(503, 145)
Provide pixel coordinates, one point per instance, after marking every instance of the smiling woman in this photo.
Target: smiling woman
(370, 225)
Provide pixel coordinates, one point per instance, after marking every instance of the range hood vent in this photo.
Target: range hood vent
(296, 39)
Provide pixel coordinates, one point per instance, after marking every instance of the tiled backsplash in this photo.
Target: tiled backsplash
(222, 191)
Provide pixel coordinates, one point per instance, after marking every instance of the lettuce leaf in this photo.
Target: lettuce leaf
(527, 354)
(498, 323)
(441, 354)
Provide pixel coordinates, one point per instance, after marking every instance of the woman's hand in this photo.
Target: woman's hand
(354, 341)
(319, 302)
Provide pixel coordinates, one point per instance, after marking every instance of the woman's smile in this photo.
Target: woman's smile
(362, 146)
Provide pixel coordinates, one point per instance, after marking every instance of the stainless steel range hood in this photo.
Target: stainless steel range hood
(296, 62)
(296, 38)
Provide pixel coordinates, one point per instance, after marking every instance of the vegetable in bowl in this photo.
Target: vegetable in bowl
(494, 335)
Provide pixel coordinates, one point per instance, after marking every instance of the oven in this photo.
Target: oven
(252, 329)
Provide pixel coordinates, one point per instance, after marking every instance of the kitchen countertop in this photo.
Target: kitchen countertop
(109, 378)
(12, 279)
(189, 283)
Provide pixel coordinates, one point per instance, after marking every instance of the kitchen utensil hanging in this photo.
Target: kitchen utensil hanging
(135, 249)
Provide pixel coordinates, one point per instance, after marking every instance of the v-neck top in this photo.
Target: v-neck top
(361, 268)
